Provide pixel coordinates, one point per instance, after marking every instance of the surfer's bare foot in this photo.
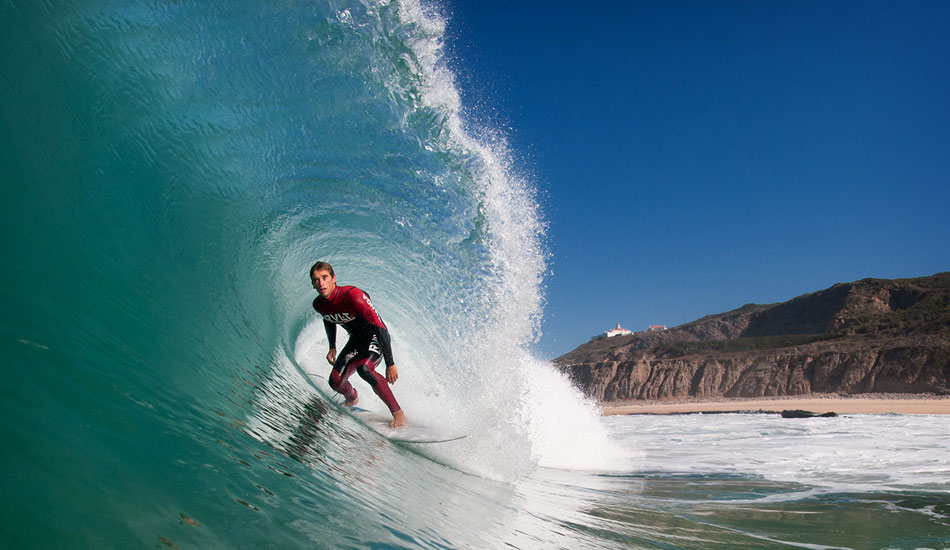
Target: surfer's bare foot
(352, 402)
(399, 419)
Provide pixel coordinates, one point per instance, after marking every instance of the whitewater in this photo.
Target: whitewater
(170, 171)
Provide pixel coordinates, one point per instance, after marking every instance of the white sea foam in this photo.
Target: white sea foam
(848, 453)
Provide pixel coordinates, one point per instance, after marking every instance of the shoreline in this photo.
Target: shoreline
(818, 404)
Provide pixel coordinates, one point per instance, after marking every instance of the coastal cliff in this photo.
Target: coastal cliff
(869, 336)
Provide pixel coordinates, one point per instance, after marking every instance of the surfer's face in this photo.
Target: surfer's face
(323, 282)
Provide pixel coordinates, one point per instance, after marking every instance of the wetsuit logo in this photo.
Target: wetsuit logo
(369, 303)
(338, 318)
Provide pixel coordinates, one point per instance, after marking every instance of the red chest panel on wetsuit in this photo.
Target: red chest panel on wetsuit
(352, 308)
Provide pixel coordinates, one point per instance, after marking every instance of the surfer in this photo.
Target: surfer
(369, 340)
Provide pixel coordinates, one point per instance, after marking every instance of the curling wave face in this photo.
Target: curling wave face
(170, 173)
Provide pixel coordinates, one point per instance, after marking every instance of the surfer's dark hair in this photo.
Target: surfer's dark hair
(322, 266)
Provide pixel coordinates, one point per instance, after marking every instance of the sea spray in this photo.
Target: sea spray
(459, 286)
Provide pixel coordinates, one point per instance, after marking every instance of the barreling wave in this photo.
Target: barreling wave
(171, 170)
(438, 227)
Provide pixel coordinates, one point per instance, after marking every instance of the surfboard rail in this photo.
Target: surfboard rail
(413, 432)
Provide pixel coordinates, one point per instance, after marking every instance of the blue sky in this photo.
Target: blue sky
(692, 157)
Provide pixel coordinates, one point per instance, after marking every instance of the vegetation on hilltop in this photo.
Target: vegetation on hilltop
(754, 343)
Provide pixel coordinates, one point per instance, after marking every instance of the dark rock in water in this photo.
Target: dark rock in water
(798, 413)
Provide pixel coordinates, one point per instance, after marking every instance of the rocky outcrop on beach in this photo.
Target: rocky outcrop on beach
(869, 336)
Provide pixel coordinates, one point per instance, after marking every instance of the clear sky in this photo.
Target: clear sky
(692, 157)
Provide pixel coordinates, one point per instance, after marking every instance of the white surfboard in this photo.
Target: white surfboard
(412, 432)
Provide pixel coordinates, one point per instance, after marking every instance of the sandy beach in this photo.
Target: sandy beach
(817, 404)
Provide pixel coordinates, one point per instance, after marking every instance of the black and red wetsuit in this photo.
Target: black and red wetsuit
(369, 342)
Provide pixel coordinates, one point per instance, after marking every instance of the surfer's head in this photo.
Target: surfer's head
(323, 279)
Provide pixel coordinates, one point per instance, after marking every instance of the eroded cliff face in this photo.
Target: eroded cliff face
(866, 337)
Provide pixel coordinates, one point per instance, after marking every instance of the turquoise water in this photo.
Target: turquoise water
(171, 170)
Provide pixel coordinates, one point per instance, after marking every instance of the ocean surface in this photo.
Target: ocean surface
(170, 170)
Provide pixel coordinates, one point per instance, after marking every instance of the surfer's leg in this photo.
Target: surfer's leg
(343, 369)
(366, 367)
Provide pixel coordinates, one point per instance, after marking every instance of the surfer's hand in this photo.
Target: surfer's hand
(392, 374)
(331, 357)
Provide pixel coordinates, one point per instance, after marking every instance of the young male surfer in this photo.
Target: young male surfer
(352, 308)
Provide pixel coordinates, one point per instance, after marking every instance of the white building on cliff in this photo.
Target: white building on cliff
(618, 331)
